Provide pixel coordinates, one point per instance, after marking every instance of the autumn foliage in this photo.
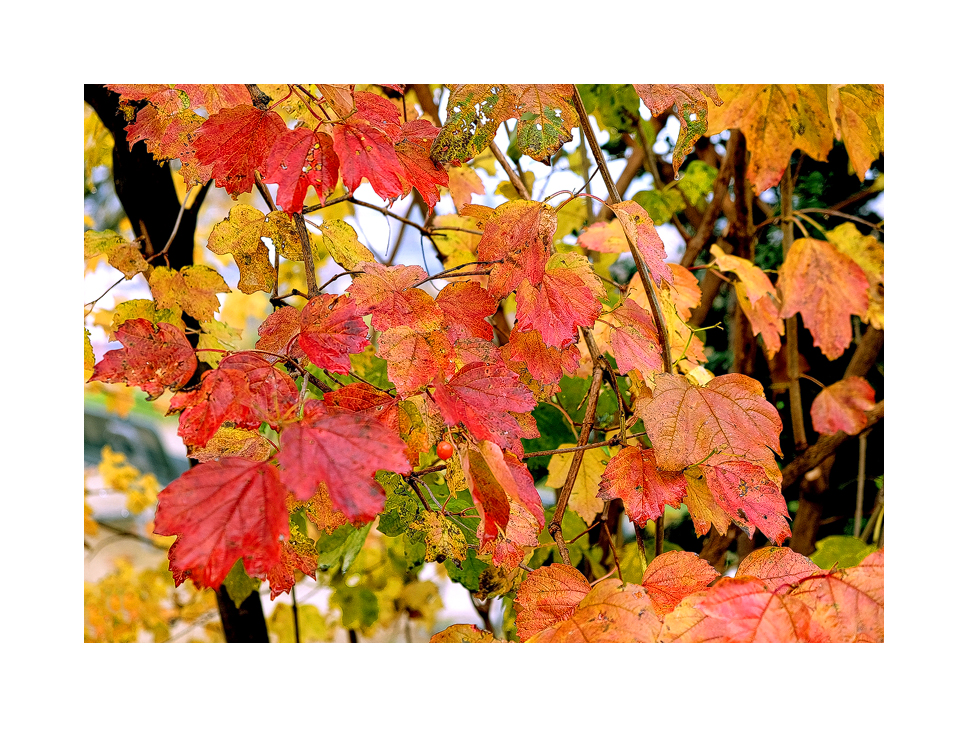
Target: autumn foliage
(414, 403)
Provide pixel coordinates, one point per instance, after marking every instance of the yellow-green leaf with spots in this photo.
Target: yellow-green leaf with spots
(281, 230)
(143, 309)
(192, 289)
(240, 235)
(341, 242)
(443, 539)
(475, 112)
(583, 499)
(546, 118)
(124, 255)
(217, 336)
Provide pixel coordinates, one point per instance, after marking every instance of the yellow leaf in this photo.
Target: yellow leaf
(422, 602)
(583, 499)
(571, 218)
(138, 309)
(856, 111)
(443, 538)
(281, 230)
(867, 252)
(240, 235)
(343, 245)
(508, 190)
(229, 441)
(239, 308)
(124, 255)
(88, 355)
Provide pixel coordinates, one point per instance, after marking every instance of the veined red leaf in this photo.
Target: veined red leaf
(639, 227)
(777, 567)
(508, 548)
(236, 142)
(547, 596)
(632, 476)
(633, 339)
(365, 145)
(301, 158)
(152, 358)
(611, 612)
(546, 364)
(482, 396)
(273, 394)
(223, 511)
(420, 170)
(749, 497)
(298, 553)
(846, 605)
(279, 333)
(330, 330)
(465, 305)
(497, 479)
(843, 406)
(223, 395)
(387, 293)
(343, 450)
(567, 298)
(415, 357)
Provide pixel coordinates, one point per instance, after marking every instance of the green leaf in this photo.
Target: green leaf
(239, 585)
(697, 181)
(847, 551)
(400, 509)
(341, 546)
(358, 606)
(613, 105)
(553, 431)
(570, 219)
(466, 574)
(661, 205)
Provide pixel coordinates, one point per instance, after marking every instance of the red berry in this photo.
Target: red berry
(444, 450)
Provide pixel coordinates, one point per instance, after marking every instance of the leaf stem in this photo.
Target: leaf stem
(510, 173)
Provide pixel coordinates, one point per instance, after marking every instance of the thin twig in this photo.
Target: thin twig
(510, 173)
(792, 324)
(860, 479)
(831, 211)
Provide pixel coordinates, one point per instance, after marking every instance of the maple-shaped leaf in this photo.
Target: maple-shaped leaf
(746, 494)
(343, 450)
(566, 298)
(279, 333)
(361, 398)
(341, 242)
(843, 406)
(124, 255)
(231, 441)
(672, 576)
(192, 289)
(827, 288)
(547, 596)
(465, 305)
(240, 234)
(584, 499)
(152, 358)
(776, 119)
(728, 419)
(169, 135)
(475, 112)
(546, 364)
(546, 118)
(632, 476)
(420, 170)
(603, 236)
(867, 252)
(215, 97)
(611, 612)
(223, 395)
(498, 478)
(222, 511)
(388, 294)
(776, 566)
(462, 182)
(237, 142)
(298, 553)
(639, 228)
(330, 330)
(320, 510)
(846, 605)
(519, 235)
(633, 339)
(415, 357)
(443, 538)
(856, 111)
(742, 610)
(365, 145)
(463, 634)
(763, 316)
(273, 394)
(692, 111)
(301, 158)
(482, 397)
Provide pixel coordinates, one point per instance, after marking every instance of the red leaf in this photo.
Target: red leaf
(465, 305)
(222, 396)
(777, 566)
(152, 358)
(386, 293)
(343, 450)
(546, 364)
(279, 333)
(330, 330)
(481, 396)
(634, 341)
(301, 158)
(846, 605)
(223, 511)
(741, 610)
(236, 142)
(365, 145)
(518, 234)
(273, 394)
(749, 497)
(843, 406)
(497, 479)
(632, 475)
(547, 596)
(611, 612)
(672, 576)
(363, 398)
(566, 298)
(420, 170)
(639, 227)
(415, 358)
(298, 553)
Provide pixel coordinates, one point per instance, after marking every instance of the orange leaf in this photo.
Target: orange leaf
(610, 613)
(826, 287)
(639, 228)
(672, 576)
(632, 476)
(547, 596)
(843, 406)
(846, 605)
(463, 634)
(777, 566)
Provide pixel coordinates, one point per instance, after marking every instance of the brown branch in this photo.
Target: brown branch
(510, 173)
(720, 188)
(427, 102)
(260, 99)
(825, 446)
(639, 262)
(866, 353)
(327, 204)
(792, 324)
(308, 255)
